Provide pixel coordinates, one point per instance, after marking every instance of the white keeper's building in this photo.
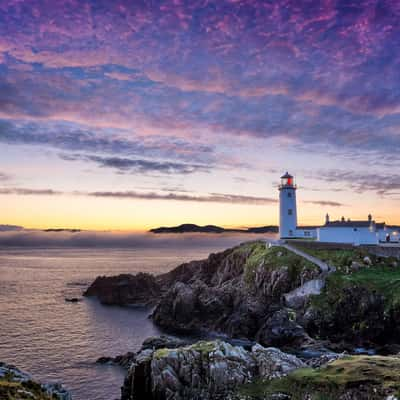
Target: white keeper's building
(340, 231)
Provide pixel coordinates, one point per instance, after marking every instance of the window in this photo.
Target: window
(355, 229)
(290, 211)
(306, 233)
(289, 194)
(290, 232)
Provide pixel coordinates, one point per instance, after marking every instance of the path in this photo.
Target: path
(321, 264)
(297, 297)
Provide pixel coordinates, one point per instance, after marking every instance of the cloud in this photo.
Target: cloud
(211, 198)
(174, 196)
(29, 192)
(4, 177)
(325, 203)
(76, 137)
(265, 68)
(173, 85)
(361, 182)
(128, 165)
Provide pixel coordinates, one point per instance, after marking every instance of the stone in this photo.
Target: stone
(203, 371)
(367, 260)
(25, 385)
(141, 289)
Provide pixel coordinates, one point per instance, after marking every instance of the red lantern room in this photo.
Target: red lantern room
(287, 180)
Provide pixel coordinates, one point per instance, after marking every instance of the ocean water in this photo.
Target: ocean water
(55, 340)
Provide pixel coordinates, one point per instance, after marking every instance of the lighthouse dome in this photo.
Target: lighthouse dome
(287, 180)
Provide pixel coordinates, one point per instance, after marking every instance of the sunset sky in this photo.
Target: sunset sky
(135, 114)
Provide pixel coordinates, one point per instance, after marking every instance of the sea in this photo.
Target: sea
(59, 341)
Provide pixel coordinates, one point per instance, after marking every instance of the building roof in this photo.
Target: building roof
(308, 227)
(287, 175)
(352, 224)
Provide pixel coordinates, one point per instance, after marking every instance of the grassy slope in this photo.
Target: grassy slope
(20, 391)
(380, 277)
(258, 254)
(329, 382)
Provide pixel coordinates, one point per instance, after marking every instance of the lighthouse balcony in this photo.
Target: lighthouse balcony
(287, 186)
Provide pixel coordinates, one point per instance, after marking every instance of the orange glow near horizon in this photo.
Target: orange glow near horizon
(76, 212)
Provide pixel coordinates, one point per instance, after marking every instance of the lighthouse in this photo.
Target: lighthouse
(287, 207)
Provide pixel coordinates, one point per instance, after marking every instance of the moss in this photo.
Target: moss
(161, 353)
(338, 258)
(202, 346)
(382, 280)
(329, 382)
(10, 390)
(258, 254)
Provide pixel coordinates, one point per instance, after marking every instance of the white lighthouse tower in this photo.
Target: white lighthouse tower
(287, 207)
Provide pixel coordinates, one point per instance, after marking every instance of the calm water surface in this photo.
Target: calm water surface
(59, 341)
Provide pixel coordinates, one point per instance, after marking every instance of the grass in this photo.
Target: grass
(380, 277)
(258, 254)
(332, 380)
(338, 258)
(10, 390)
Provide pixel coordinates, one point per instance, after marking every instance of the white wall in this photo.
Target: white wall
(347, 235)
(394, 235)
(306, 233)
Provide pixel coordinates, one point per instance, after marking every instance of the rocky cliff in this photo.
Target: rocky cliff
(242, 292)
(202, 371)
(217, 370)
(18, 385)
(238, 292)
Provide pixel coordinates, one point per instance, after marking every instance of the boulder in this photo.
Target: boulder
(16, 384)
(367, 260)
(355, 266)
(281, 329)
(72, 299)
(123, 360)
(203, 371)
(164, 342)
(141, 289)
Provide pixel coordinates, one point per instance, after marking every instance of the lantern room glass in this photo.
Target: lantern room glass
(287, 181)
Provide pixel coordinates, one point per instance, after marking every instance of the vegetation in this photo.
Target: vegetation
(332, 380)
(202, 346)
(258, 254)
(380, 277)
(12, 390)
(338, 258)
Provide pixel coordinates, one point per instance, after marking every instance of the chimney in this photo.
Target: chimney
(327, 219)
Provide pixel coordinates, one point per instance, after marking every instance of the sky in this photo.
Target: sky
(127, 115)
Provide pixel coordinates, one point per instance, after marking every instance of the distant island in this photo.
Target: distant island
(193, 228)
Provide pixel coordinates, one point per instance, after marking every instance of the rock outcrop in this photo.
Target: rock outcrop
(140, 289)
(238, 292)
(202, 371)
(346, 378)
(18, 385)
(252, 292)
(217, 370)
(152, 343)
